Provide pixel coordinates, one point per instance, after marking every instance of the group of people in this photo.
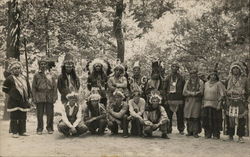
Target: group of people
(117, 99)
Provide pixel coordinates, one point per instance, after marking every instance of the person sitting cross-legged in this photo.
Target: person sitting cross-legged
(71, 123)
(95, 115)
(155, 117)
(118, 114)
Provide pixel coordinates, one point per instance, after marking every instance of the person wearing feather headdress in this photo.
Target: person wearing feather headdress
(98, 77)
(237, 101)
(137, 81)
(68, 81)
(155, 83)
(155, 117)
(44, 94)
(95, 115)
(117, 82)
(117, 114)
(18, 89)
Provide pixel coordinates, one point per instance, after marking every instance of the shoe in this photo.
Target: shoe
(181, 132)
(231, 138)
(196, 136)
(216, 137)
(207, 137)
(125, 136)
(189, 134)
(15, 135)
(50, 132)
(240, 140)
(164, 136)
(24, 134)
(39, 133)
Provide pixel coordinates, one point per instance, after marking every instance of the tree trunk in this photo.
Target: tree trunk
(13, 27)
(117, 28)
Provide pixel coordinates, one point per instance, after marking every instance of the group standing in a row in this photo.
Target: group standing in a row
(116, 99)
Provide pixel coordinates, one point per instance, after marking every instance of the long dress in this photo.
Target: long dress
(193, 92)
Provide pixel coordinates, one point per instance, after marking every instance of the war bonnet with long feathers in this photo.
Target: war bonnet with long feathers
(105, 65)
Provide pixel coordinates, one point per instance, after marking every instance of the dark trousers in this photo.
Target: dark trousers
(240, 128)
(212, 121)
(148, 130)
(179, 115)
(49, 108)
(136, 127)
(18, 122)
(17, 126)
(81, 128)
(97, 124)
(193, 126)
(113, 126)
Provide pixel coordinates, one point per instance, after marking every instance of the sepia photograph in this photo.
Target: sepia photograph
(124, 78)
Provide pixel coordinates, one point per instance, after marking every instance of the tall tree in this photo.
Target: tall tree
(13, 41)
(117, 27)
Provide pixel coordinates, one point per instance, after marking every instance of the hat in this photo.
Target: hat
(239, 65)
(118, 93)
(14, 63)
(96, 61)
(136, 65)
(94, 97)
(68, 58)
(72, 96)
(155, 95)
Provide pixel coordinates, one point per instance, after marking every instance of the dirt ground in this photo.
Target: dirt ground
(56, 145)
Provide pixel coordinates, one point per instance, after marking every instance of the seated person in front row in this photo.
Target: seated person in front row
(71, 123)
(118, 114)
(95, 115)
(155, 117)
(136, 110)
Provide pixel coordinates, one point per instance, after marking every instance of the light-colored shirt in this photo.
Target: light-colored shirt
(140, 107)
(71, 109)
(152, 116)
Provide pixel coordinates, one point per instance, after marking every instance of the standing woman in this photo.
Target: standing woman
(214, 93)
(17, 88)
(68, 81)
(193, 91)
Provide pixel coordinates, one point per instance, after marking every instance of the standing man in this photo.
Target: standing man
(118, 114)
(173, 88)
(98, 77)
(95, 115)
(44, 92)
(68, 81)
(155, 83)
(137, 81)
(117, 82)
(237, 101)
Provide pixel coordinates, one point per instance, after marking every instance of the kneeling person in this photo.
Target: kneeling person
(155, 117)
(136, 109)
(71, 123)
(95, 115)
(118, 114)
